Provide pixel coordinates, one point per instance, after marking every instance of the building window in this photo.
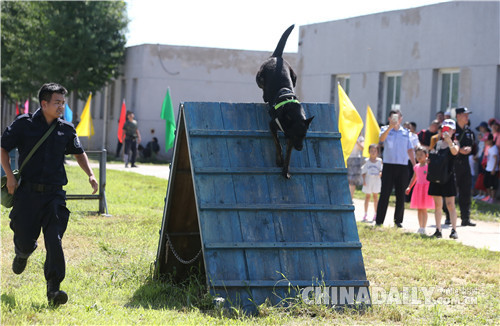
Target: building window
(393, 92)
(345, 82)
(449, 89)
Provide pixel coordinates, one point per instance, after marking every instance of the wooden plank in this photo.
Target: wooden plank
(287, 245)
(287, 283)
(277, 207)
(267, 170)
(222, 133)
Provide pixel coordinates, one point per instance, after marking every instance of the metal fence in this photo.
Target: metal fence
(101, 195)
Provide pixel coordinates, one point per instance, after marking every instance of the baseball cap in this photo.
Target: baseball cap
(449, 123)
(462, 110)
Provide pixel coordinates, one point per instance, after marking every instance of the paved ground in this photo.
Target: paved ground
(484, 235)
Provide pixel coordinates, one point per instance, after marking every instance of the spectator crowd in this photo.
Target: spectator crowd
(449, 163)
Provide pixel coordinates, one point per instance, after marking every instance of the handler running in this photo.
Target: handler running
(40, 201)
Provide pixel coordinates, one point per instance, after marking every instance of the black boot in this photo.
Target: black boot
(55, 296)
(19, 264)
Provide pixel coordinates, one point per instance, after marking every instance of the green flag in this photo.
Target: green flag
(167, 113)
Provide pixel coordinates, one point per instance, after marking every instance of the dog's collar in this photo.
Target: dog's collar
(280, 104)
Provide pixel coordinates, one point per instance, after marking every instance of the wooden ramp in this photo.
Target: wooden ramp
(231, 215)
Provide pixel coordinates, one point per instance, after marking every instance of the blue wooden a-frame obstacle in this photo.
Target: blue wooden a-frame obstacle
(253, 233)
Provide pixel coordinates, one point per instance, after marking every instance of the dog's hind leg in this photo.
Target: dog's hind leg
(286, 166)
(279, 150)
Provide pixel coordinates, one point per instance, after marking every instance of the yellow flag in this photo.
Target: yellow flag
(350, 124)
(86, 128)
(372, 131)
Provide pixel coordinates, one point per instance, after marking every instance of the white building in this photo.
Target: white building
(422, 60)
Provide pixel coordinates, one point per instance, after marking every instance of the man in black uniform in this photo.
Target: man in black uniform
(39, 200)
(462, 168)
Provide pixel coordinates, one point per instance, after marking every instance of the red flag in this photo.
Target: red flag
(17, 109)
(27, 106)
(121, 123)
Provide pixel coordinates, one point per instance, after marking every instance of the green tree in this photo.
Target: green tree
(79, 44)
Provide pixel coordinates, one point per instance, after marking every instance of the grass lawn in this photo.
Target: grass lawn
(109, 268)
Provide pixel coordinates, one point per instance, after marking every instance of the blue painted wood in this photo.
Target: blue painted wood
(258, 228)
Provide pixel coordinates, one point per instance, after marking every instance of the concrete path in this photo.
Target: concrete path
(483, 235)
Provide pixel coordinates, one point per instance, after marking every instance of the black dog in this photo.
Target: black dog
(277, 79)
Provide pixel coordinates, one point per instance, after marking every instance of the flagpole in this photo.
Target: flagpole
(105, 121)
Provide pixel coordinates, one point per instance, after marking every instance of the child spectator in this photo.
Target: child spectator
(420, 198)
(491, 174)
(371, 172)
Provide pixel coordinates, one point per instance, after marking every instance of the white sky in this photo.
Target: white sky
(248, 24)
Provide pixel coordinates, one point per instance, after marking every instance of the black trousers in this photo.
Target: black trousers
(131, 145)
(393, 176)
(34, 212)
(463, 179)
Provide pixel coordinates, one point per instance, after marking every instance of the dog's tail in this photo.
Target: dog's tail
(281, 44)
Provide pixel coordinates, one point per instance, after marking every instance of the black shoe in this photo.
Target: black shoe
(57, 298)
(468, 223)
(398, 225)
(133, 166)
(453, 234)
(437, 234)
(19, 264)
(447, 221)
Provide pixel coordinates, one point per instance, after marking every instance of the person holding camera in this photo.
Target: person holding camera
(397, 150)
(445, 186)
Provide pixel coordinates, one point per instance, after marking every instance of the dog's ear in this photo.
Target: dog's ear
(308, 121)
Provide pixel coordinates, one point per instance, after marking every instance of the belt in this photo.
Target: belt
(37, 187)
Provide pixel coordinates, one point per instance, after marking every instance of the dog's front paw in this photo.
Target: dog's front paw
(286, 173)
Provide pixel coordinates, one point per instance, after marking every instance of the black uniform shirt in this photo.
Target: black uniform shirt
(466, 140)
(46, 166)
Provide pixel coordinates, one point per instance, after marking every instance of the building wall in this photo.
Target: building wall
(416, 43)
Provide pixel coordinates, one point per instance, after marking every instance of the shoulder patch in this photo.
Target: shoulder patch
(77, 143)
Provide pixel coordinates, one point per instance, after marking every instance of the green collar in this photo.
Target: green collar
(280, 104)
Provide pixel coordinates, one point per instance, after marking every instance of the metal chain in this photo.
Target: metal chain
(185, 262)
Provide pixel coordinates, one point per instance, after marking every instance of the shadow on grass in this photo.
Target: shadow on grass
(9, 301)
(163, 293)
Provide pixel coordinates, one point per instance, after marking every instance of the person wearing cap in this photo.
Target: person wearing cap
(448, 190)
(397, 150)
(466, 140)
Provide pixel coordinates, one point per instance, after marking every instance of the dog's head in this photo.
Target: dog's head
(295, 124)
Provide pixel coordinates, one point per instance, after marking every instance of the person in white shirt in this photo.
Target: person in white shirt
(371, 172)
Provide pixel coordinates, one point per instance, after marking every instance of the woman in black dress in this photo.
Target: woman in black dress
(446, 146)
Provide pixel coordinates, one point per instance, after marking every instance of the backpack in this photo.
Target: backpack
(438, 170)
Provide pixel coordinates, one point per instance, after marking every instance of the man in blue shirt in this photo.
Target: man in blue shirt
(397, 150)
